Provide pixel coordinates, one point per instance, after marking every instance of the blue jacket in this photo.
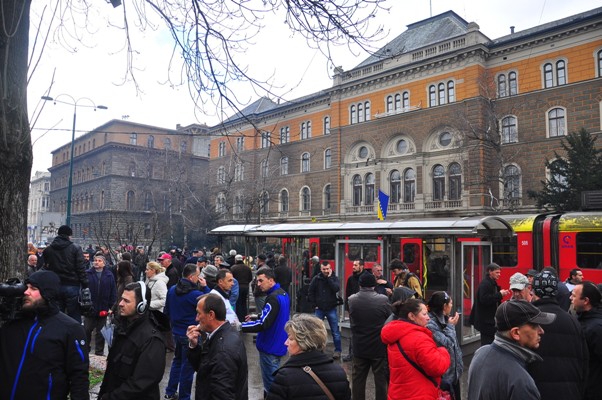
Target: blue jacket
(103, 291)
(270, 324)
(180, 306)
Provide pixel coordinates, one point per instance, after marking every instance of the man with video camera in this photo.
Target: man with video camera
(43, 350)
(66, 259)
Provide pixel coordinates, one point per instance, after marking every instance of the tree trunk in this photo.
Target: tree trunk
(15, 138)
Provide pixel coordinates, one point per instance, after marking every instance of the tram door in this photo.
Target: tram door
(475, 258)
(347, 251)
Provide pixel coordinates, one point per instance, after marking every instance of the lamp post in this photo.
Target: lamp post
(73, 103)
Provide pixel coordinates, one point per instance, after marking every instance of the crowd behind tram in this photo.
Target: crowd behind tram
(541, 337)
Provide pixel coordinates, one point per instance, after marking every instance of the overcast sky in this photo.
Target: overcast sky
(96, 68)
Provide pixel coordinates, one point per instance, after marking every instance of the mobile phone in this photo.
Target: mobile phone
(459, 311)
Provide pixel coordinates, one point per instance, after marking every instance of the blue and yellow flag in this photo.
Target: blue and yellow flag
(383, 204)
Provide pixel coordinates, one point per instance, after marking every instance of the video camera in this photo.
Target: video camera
(11, 293)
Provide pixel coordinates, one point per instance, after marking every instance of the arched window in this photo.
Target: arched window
(451, 92)
(432, 96)
(367, 111)
(511, 182)
(326, 197)
(129, 200)
(183, 146)
(389, 103)
(220, 204)
(284, 200)
(557, 171)
(438, 183)
(406, 100)
(501, 85)
(509, 133)
(265, 167)
(512, 83)
(305, 165)
(599, 60)
(441, 93)
(167, 143)
(132, 169)
(327, 158)
(455, 181)
(369, 200)
(397, 101)
(221, 175)
(102, 200)
(395, 186)
(238, 206)
(548, 76)
(305, 199)
(284, 166)
(133, 138)
(327, 125)
(556, 122)
(409, 185)
(148, 201)
(221, 149)
(357, 190)
(360, 112)
(353, 114)
(561, 72)
(264, 203)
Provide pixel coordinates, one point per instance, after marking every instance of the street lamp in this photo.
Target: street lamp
(73, 103)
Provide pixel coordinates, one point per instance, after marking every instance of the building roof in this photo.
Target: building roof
(257, 107)
(423, 33)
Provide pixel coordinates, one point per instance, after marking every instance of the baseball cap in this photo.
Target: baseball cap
(515, 313)
(545, 284)
(518, 281)
(165, 257)
(367, 280)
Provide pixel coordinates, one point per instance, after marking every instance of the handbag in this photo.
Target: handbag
(441, 394)
(311, 373)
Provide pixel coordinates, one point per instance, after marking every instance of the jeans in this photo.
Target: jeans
(68, 302)
(181, 373)
(269, 364)
(333, 321)
(380, 370)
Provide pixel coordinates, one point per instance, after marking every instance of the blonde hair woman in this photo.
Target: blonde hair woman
(156, 282)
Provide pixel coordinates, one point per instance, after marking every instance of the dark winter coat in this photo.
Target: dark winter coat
(136, 361)
(487, 300)
(591, 321)
(405, 381)
(172, 273)
(562, 373)
(221, 366)
(368, 312)
(66, 259)
(353, 286)
(242, 274)
(283, 275)
(323, 291)
(291, 382)
(43, 358)
(180, 306)
(103, 291)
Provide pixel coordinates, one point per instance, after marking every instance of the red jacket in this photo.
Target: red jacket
(405, 381)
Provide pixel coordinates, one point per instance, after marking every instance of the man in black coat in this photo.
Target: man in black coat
(43, 350)
(136, 360)
(562, 373)
(368, 312)
(488, 298)
(221, 359)
(352, 287)
(66, 259)
(322, 296)
(587, 301)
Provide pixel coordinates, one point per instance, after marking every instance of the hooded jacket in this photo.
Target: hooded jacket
(181, 306)
(405, 381)
(158, 288)
(43, 355)
(66, 259)
(136, 361)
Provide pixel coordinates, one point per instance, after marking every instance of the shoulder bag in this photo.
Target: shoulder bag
(441, 394)
(311, 373)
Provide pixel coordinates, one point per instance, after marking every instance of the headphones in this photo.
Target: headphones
(141, 307)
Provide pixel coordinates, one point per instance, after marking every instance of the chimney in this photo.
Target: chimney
(511, 30)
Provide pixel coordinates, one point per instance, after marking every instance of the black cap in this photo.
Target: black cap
(201, 259)
(262, 257)
(65, 230)
(367, 280)
(47, 282)
(545, 285)
(515, 313)
(532, 272)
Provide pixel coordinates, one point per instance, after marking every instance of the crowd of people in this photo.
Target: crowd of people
(540, 338)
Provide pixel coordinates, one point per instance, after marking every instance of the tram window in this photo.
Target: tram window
(313, 249)
(355, 251)
(395, 249)
(327, 248)
(505, 251)
(371, 252)
(589, 250)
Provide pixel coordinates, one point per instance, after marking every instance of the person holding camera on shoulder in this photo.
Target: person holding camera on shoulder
(43, 350)
(104, 294)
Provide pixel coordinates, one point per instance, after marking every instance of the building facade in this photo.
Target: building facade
(38, 228)
(132, 183)
(444, 120)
